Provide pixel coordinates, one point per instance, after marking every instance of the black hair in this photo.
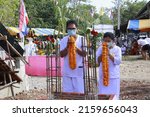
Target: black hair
(71, 22)
(110, 35)
(143, 37)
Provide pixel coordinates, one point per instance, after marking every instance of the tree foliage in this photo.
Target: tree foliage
(41, 13)
(48, 13)
(9, 12)
(55, 13)
(83, 15)
(128, 9)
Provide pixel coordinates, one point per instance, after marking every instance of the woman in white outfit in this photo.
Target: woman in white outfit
(114, 60)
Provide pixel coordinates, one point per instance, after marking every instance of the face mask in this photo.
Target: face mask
(110, 44)
(71, 32)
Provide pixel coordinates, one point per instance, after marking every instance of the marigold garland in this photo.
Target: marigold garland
(72, 52)
(105, 64)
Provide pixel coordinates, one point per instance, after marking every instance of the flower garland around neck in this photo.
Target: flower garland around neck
(105, 64)
(72, 52)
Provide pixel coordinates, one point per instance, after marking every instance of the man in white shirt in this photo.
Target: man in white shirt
(72, 78)
(30, 48)
(142, 42)
(114, 61)
(145, 47)
(148, 40)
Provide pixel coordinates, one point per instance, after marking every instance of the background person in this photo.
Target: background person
(30, 48)
(145, 48)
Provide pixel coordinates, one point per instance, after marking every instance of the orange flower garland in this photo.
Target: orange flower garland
(105, 65)
(72, 52)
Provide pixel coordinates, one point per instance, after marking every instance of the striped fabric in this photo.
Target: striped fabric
(38, 31)
(141, 25)
(44, 31)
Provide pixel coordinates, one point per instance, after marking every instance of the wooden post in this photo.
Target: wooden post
(11, 86)
(5, 78)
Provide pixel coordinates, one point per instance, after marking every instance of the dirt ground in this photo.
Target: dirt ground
(135, 79)
(135, 90)
(135, 82)
(130, 90)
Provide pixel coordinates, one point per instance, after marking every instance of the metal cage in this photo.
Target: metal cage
(54, 76)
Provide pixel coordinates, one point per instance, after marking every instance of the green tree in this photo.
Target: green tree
(41, 13)
(82, 13)
(61, 14)
(49, 13)
(128, 10)
(105, 19)
(9, 12)
(74, 10)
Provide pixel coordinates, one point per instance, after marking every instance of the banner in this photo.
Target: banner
(23, 18)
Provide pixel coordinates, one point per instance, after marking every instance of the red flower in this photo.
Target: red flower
(94, 33)
(36, 42)
(52, 40)
(48, 38)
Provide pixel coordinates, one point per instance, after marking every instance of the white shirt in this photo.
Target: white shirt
(114, 67)
(67, 71)
(142, 42)
(30, 49)
(148, 40)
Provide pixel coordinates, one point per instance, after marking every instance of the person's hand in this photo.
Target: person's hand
(111, 56)
(69, 42)
(77, 49)
(100, 58)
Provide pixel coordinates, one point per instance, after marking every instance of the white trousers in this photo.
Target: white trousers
(112, 88)
(73, 84)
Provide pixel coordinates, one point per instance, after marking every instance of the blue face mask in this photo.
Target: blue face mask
(110, 44)
(71, 32)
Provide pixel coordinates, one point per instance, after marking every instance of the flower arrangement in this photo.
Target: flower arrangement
(94, 33)
(105, 65)
(51, 39)
(72, 52)
(93, 38)
(50, 45)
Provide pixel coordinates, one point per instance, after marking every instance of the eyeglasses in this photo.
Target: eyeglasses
(71, 28)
